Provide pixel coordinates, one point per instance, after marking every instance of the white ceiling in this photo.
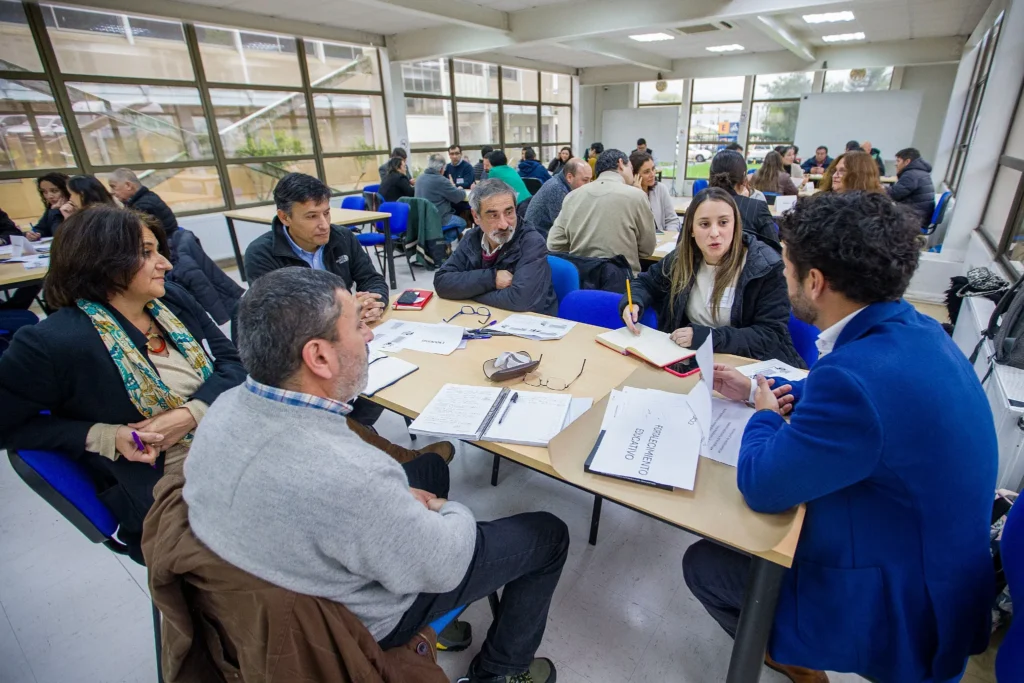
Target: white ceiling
(690, 46)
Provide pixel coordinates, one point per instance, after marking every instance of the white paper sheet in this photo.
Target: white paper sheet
(773, 368)
(666, 248)
(533, 420)
(728, 420)
(21, 246)
(457, 410)
(385, 370)
(577, 407)
(700, 396)
(534, 327)
(396, 335)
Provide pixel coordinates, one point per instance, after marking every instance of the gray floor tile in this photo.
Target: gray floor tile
(14, 666)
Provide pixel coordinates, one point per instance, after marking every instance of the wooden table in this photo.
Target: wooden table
(715, 509)
(17, 275)
(264, 215)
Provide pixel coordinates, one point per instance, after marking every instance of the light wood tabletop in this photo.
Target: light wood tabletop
(265, 215)
(18, 274)
(716, 509)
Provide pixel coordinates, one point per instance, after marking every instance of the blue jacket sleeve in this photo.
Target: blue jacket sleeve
(458, 278)
(902, 188)
(833, 440)
(530, 280)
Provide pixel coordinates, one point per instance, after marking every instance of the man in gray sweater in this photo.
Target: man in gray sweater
(278, 485)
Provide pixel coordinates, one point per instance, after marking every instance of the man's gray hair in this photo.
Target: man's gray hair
(485, 189)
(281, 312)
(436, 162)
(125, 175)
(609, 161)
(574, 166)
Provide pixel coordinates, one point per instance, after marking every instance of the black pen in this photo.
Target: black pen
(515, 397)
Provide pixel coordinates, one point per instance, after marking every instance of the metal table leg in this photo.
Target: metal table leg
(755, 621)
(595, 519)
(234, 245)
(494, 469)
(389, 253)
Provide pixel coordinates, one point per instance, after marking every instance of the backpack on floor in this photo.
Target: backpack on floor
(1006, 329)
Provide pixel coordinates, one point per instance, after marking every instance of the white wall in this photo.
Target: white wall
(935, 82)
(604, 97)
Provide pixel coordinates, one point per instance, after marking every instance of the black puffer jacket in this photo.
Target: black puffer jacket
(916, 189)
(147, 201)
(758, 322)
(217, 293)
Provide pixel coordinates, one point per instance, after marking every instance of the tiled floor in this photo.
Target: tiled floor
(74, 612)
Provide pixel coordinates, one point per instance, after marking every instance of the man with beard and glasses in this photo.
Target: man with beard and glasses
(892, 448)
(499, 262)
(279, 486)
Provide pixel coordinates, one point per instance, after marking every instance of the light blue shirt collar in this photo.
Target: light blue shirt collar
(314, 259)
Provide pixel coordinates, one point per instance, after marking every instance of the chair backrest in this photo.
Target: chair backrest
(354, 201)
(751, 171)
(594, 307)
(371, 197)
(533, 184)
(399, 217)
(1010, 658)
(65, 484)
(804, 335)
(564, 277)
(939, 213)
(372, 189)
(699, 185)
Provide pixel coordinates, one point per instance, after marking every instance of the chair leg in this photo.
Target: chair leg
(408, 421)
(494, 470)
(159, 642)
(492, 600)
(595, 519)
(408, 259)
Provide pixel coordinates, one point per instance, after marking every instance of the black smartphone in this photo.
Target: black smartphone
(408, 298)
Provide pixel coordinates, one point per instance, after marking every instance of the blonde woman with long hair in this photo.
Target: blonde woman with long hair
(718, 281)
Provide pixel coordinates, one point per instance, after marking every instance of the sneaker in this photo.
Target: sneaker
(542, 670)
(455, 637)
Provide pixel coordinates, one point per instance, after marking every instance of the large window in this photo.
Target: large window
(659, 93)
(775, 109)
(715, 110)
(858, 80)
(473, 104)
(969, 118)
(124, 91)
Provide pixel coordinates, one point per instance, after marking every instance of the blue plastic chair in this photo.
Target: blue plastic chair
(399, 224)
(699, 185)
(65, 484)
(564, 277)
(804, 335)
(595, 307)
(939, 213)
(354, 201)
(371, 197)
(1010, 659)
(752, 171)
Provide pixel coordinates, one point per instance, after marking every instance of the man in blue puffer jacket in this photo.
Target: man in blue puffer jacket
(891, 447)
(529, 167)
(914, 186)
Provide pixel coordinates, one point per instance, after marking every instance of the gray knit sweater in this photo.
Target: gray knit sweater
(292, 496)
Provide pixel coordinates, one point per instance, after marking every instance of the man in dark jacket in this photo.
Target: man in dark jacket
(459, 170)
(194, 270)
(127, 187)
(529, 167)
(499, 263)
(914, 186)
(547, 203)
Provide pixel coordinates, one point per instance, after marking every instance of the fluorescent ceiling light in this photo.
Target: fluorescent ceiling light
(843, 37)
(828, 17)
(724, 48)
(652, 37)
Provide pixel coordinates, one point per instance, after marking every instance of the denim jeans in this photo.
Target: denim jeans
(717, 577)
(524, 553)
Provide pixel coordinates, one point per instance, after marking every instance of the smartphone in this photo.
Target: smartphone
(683, 368)
(408, 297)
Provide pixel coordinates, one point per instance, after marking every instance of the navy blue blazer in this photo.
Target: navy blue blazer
(892, 447)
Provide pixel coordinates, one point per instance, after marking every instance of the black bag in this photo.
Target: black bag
(978, 282)
(1006, 329)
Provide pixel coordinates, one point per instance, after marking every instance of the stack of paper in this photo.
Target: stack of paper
(534, 327)
(773, 368)
(396, 335)
(385, 370)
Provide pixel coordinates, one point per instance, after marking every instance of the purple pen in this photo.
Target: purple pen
(138, 442)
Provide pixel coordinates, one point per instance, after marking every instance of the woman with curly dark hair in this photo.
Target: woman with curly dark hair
(53, 190)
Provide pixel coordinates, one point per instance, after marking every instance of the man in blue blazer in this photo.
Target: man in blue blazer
(892, 448)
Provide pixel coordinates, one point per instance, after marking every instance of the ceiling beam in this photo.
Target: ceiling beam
(892, 53)
(625, 53)
(578, 19)
(523, 63)
(232, 18)
(781, 35)
(449, 11)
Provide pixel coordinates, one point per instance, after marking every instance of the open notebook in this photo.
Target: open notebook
(490, 414)
(652, 345)
(385, 370)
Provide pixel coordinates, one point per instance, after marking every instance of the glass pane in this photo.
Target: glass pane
(20, 200)
(1016, 244)
(350, 123)
(139, 124)
(518, 84)
(672, 94)
(255, 182)
(261, 123)
(555, 124)
(520, 123)
(346, 174)
(476, 79)
(233, 56)
(858, 80)
(781, 86)
(429, 122)
(106, 44)
(32, 131)
(184, 189)
(345, 67)
(418, 162)
(712, 127)
(17, 49)
(478, 123)
(718, 89)
(429, 77)
(773, 122)
(555, 87)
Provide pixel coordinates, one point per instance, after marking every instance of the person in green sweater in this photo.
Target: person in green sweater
(496, 166)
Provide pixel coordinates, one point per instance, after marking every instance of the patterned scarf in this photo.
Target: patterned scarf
(148, 393)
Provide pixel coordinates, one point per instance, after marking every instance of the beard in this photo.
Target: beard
(349, 387)
(803, 309)
(502, 237)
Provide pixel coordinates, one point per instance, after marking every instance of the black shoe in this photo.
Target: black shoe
(455, 637)
(542, 670)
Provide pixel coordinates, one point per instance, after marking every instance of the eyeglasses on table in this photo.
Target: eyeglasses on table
(470, 310)
(534, 379)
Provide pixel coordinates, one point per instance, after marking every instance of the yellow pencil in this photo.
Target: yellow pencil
(629, 295)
